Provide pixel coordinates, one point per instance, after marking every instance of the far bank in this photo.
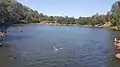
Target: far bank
(107, 25)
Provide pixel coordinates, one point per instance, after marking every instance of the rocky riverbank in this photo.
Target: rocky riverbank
(107, 25)
(2, 33)
(117, 45)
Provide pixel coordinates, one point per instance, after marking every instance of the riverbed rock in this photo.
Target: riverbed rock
(0, 44)
(12, 57)
(118, 55)
(21, 31)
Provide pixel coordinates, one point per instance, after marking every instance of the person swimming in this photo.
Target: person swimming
(55, 48)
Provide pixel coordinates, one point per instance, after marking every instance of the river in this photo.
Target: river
(38, 45)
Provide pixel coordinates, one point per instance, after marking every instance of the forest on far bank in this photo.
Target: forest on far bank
(13, 12)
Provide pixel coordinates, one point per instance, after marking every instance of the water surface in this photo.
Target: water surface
(33, 46)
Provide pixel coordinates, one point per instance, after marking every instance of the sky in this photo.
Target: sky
(72, 8)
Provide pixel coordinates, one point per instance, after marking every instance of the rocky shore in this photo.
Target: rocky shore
(117, 47)
(116, 28)
(2, 34)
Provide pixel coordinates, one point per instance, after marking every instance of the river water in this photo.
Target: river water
(37, 45)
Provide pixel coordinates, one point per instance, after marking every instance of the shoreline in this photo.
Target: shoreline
(115, 28)
(90, 26)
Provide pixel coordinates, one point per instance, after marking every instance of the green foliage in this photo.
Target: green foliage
(13, 12)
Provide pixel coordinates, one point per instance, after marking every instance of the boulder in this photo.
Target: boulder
(118, 55)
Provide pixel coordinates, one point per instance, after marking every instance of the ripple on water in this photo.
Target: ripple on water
(35, 59)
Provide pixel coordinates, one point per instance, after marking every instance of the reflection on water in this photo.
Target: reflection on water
(56, 46)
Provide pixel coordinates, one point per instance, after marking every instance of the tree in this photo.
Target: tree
(13, 12)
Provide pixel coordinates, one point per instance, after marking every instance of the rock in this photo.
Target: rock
(21, 31)
(1, 44)
(2, 34)
(12, 57)
(117, 44)
(118, 55)
(15, 57)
